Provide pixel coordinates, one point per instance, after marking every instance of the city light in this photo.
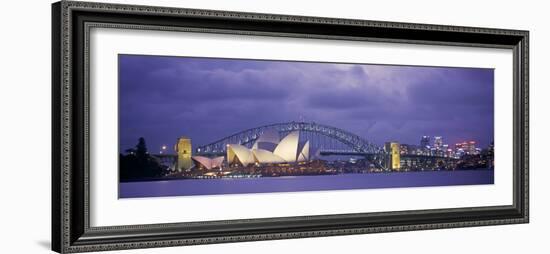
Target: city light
(265, 156)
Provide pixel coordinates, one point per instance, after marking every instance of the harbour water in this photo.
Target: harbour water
(187, 187)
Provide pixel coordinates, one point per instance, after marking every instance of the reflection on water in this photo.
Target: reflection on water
(303, 183)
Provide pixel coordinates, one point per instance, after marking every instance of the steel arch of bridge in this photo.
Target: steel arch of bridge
(354, 142)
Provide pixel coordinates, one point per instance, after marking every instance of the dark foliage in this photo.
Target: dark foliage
(137, 164)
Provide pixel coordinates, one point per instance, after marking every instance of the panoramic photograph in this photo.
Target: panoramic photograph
(216, 126)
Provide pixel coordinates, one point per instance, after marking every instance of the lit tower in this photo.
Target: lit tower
(183, 149)
(425, 142)
(438, 142)
(472, 147)
(394, 159)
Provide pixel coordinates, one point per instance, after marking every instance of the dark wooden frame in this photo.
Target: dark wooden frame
(71, 22)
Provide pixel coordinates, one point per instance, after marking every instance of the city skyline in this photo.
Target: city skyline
(163, 98)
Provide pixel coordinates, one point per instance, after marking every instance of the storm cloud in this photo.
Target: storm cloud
(162, 98)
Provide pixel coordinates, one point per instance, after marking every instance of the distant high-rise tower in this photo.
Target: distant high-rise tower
(394, 159)
(184, 150)
(472, 147)
(425, 142)
(438, 143)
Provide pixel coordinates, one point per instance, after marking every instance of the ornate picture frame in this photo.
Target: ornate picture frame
(71, 24)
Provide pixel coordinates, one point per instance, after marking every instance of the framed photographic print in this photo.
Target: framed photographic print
(181, 126)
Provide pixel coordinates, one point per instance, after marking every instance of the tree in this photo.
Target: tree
(141, 149)
(137, 164)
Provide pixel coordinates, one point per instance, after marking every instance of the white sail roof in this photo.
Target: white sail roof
(264, 156)
(268, 149)
(208, 163)
(288, 146)
(240, 152)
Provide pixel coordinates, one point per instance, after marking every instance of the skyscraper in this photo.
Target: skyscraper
(438, 142)
(467, 147)
(425, 142)
(472, 147)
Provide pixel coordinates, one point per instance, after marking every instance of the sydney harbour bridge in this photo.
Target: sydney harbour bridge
(327, 140)
(324, 140)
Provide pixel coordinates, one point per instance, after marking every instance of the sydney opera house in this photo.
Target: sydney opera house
(268, 149)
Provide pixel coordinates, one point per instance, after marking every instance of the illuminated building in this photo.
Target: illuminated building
(404, 149)
(425, 142)
(449, 153)
(394, 158)
(183, 150)
(467, 147)
(472, 147)
(268, 149)
(202, 162)
(438, 142)
(445, 151)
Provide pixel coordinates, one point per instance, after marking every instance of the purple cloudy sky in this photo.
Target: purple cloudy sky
(162, 98)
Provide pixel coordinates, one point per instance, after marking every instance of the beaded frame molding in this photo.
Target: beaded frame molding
(71, 23)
